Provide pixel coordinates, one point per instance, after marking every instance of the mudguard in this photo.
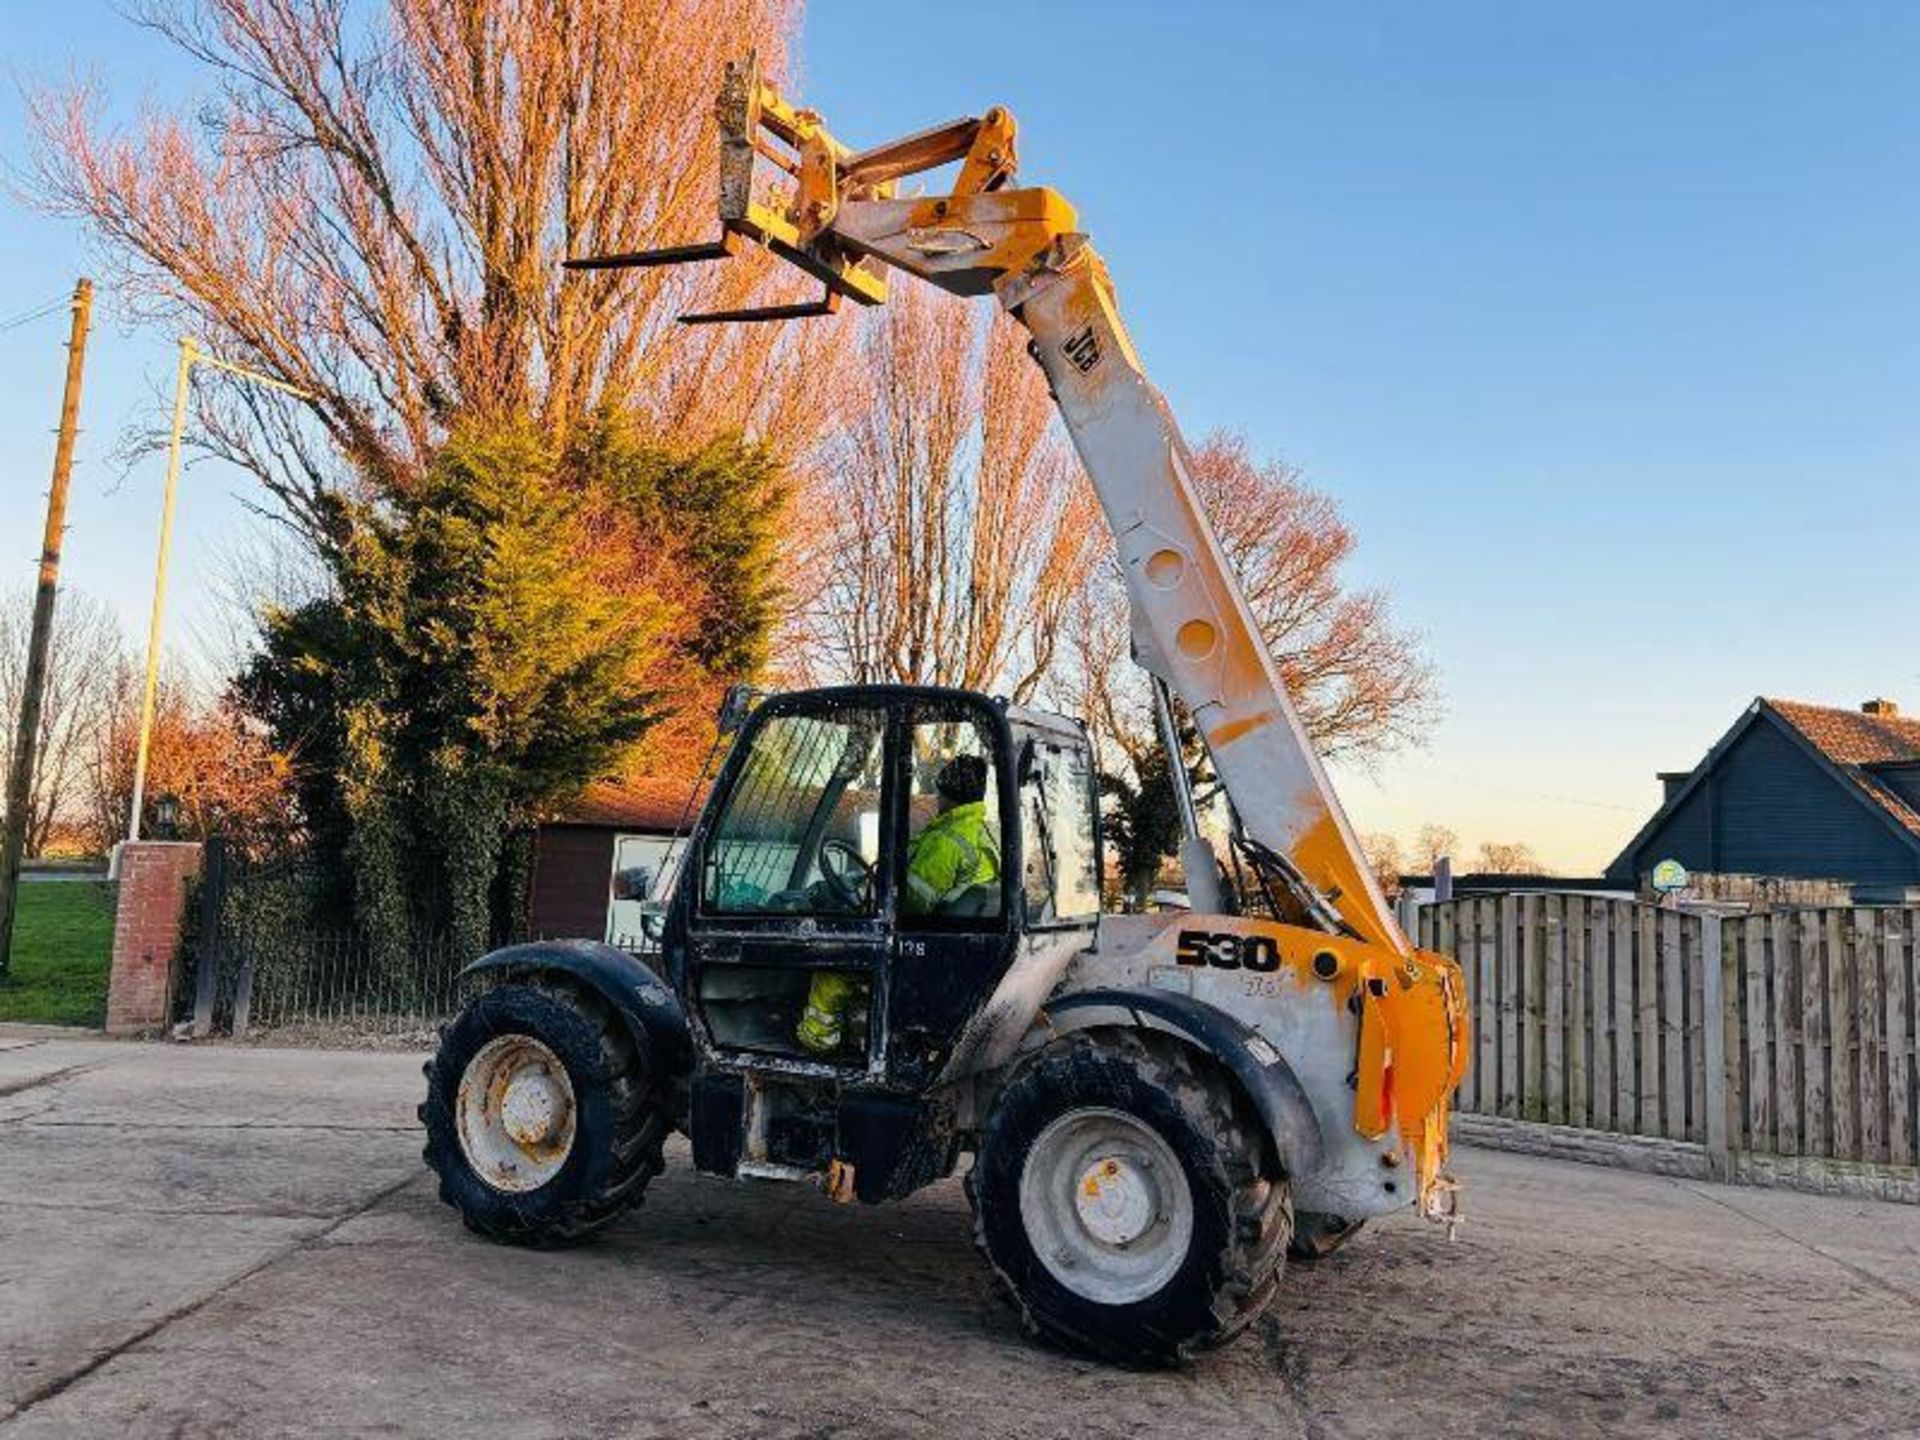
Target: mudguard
(626, 982)
(1262, 1071)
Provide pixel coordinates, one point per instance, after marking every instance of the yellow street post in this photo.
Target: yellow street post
(190, 355)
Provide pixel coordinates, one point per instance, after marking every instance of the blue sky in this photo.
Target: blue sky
(1602, 321)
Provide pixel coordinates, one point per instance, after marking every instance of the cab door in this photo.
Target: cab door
(791, 881)
(952, 878)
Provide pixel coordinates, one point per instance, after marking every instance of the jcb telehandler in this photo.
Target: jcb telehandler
(1158, 1107)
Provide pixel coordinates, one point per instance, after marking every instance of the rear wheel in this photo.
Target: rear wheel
(1123, 1197)
(542, 1122)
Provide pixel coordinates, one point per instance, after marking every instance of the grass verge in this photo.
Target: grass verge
(62, 948)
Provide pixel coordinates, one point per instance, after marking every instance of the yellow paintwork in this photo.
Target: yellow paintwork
(992, 157)
(1414, 1038)
(1015, 226)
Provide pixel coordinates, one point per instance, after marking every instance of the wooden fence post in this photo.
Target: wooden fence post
(1901, 1058)
(1533, 1020)
(1506, 930)
(1486, 940)
(1717, 1005)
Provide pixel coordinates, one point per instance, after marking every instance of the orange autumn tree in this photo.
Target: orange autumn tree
(1360, 682)
(373, 204)
(210, 759)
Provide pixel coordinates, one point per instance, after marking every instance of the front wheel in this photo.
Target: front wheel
(1122, 1196)
(542, 1121)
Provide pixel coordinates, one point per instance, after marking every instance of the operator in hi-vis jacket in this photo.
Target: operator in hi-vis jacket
(958, 850)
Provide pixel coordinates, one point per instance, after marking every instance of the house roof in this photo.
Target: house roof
(1848, 744)
(656, 803)
(1853, 741)
(1853, 737)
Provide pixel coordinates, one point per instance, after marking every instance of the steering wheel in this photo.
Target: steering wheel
(847, 873)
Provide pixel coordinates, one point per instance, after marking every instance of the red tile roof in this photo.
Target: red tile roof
(655, 803)
(1852, 739)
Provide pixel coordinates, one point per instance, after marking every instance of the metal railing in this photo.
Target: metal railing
(345, 987)
(272, 958)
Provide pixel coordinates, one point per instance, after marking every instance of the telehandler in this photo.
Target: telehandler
(1158, 1107)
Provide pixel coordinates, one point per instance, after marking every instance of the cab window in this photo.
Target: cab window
(1060, 877)
(800, 831)
(952, 864)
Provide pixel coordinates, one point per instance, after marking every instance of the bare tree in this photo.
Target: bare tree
(85, 653)
(1385, 859)
(1433, 844)
(1359, 681)
(374, 208)
(956, 528)
(1508, 859)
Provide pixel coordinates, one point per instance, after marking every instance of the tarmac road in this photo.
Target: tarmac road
(208, 1240)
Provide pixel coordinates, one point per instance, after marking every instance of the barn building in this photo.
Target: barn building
(1796, 793)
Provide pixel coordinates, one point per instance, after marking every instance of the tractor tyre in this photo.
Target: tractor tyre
(1316, 1236)
(542, 1121)
(1126, 1198)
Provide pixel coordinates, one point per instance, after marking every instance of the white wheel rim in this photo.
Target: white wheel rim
(1106, 1206)
(515, 1113)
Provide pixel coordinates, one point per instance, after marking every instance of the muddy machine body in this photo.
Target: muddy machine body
(1159, 1107)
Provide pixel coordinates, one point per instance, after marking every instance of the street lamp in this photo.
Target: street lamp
(166, 818)
(190, 355)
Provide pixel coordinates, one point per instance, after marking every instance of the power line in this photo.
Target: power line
(59, 302)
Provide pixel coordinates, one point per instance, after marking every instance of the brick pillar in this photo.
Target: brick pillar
(146, 932)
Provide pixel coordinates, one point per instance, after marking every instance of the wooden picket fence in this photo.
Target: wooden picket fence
(1782, 1038)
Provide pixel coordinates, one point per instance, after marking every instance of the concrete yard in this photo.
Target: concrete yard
(211, 1240)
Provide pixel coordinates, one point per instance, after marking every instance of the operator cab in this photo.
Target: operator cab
(898, 840)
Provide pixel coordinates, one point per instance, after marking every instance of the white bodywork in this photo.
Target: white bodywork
(1191, 624)
(1298, 1016)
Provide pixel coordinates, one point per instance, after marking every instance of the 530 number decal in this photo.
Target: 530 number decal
(1226, 951)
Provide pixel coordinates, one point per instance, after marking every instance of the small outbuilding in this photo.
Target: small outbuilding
(597, 860)
(1796, 793)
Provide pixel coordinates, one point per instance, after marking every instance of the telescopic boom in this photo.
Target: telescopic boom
(834, 213)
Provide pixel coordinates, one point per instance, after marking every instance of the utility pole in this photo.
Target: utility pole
(20, 776)
(189, 352)
(190, 355)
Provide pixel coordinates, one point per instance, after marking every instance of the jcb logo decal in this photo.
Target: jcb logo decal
(1083, 349)
(1227, 951)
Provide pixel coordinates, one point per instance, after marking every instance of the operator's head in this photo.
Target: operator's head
(962, 781)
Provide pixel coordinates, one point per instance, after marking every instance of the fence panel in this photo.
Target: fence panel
(1794, 1034)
